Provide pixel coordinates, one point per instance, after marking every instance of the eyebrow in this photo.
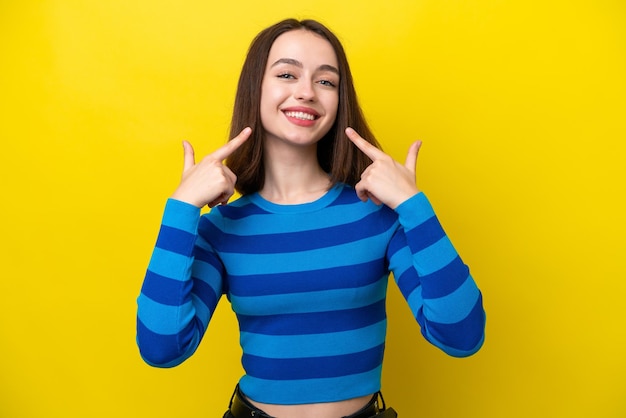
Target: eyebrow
(291, 61)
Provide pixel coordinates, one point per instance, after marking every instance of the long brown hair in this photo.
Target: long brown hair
(336, 153)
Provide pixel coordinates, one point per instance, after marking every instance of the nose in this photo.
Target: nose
(305, 91)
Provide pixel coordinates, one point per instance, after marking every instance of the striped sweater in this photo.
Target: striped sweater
(308, 284)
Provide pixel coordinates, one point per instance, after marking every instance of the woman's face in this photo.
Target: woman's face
(300, 89)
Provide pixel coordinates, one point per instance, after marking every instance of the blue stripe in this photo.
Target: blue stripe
(175, 240)
(297, 241)
(407, 282)
(181, 215)
(348, 196)
(415, 301)
(154, 347)
(241, 208)
(398, 244)
(362, 251)
(168, 264)
(313, 367)
(309, 302)
(277, 223)
(204, 312)
(434, 257)
(206, 293)
(283, 392)
(314, 323)
(164, 290)
(312, 345)
(446, 280)
(207, 255)
(208, 273)
(163, 319)
(399, 255)
(414, 211)
(340, 277)
(425, 234)
(454, 307)
(245, 218)
(440, 283)
(163, 350)
(463, 336)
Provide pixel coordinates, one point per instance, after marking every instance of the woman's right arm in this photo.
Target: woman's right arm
(183, 282)
(173, 308)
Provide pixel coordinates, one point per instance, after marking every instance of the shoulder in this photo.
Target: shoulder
(347, 201)
(348, 196)
(223, 218)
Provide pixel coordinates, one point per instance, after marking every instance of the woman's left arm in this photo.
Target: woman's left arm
(436, 283)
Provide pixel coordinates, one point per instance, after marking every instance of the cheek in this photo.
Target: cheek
(332, 106)
(271, 96)
(267, 102)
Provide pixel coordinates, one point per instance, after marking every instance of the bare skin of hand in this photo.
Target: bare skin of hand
(386, 180)
(209, 182)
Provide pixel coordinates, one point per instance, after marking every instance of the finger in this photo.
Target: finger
(411, 156)
(374, 199)
(361, 193)
(188, 156)
(224, 152)
(367, 148)
(231, 176)
(221, 200)
(364, 195)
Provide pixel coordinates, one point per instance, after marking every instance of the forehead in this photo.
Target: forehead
(304, 46)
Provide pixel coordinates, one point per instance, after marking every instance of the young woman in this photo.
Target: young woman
(305, 253)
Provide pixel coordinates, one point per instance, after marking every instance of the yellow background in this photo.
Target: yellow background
(521, 106)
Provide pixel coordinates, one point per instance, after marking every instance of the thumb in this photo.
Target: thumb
(189, 158)
(411, 157)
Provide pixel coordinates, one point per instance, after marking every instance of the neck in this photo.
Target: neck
(293, 176)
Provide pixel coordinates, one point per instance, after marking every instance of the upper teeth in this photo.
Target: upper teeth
(300, 115)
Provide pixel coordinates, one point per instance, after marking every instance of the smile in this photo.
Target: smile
(300, 115)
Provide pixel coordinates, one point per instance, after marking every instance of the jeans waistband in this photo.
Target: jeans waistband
(240, 407)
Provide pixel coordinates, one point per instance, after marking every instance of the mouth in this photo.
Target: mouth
(300, 115)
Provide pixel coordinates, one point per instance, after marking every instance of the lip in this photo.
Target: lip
(298, 120)
(302, 109)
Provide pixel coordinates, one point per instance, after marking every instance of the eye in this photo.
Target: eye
(286, 76)
(327, 83)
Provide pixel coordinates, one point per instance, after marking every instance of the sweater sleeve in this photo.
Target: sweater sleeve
(180, 291)
(437, 285)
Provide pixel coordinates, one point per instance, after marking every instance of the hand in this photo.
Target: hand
(385, 180)
(209, 182)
